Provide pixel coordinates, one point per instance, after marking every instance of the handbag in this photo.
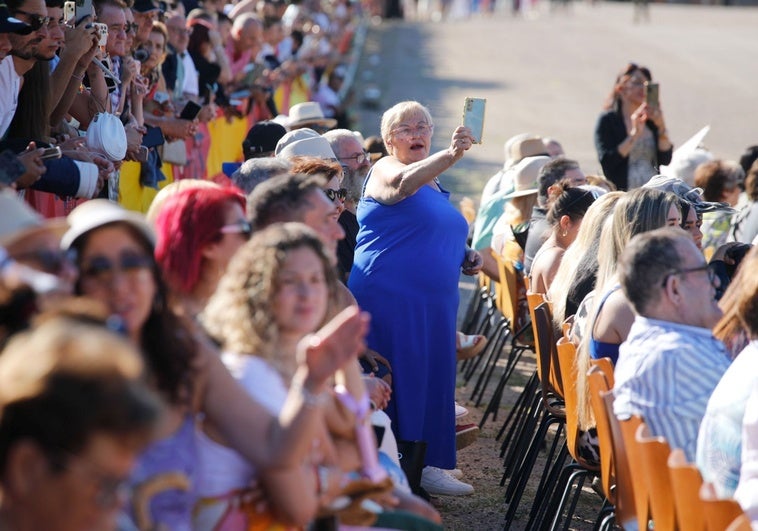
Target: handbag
(174, 152)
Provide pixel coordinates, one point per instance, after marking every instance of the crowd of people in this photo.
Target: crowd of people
(248, 348)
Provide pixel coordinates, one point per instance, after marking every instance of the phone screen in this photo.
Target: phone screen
(651, 94)
(190, 111)
(473, 117)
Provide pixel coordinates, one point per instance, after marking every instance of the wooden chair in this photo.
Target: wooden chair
(741, 523)
(654, 453)
(685, 487)
(614, 467)
(625, 508)
(576, 472)
(507, 302)
(719, 513)
(554, 414)
(628, 428)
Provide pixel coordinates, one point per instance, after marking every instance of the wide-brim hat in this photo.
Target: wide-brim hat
(522, 146)
(99, 212)
(682, 190)
(20, 221)
(524, 175)
(308, 113)
(308, 147)
(10, 24)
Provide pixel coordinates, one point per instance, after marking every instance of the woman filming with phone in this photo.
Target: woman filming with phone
(630, 136)
(410, 251)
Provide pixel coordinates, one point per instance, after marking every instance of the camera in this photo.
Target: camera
(141, 55)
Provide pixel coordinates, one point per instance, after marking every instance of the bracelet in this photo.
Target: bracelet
(311, 399)
(80, 77)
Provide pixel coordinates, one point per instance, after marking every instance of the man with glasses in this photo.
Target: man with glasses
(670, 362)
(23, 49)
(355, 165)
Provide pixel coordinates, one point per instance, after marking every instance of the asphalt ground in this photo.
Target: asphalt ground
(549, 73)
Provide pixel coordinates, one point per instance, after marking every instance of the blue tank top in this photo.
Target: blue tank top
(600, 349)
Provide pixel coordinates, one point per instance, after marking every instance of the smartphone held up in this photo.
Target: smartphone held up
(651, 94)
(473, 117)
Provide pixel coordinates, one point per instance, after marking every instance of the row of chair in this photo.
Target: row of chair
(643, 481)
(649, 483)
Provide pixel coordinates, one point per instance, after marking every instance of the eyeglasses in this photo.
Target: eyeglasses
(131, 27)
(332, 194)
(359, 158)
(241, 227)
(110, 491)
(52, 262)
(707, 268)
(36, 21)
(102, 270)
(407, 132)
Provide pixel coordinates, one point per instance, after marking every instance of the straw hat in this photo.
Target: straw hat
(521, 146)
(525, 176)
(308, 113)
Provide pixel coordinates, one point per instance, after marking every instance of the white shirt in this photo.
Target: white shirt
(10, 86)
(191, 79)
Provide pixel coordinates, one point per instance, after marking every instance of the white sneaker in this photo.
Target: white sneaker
(436, 481)
(457, 473)
(460, 411)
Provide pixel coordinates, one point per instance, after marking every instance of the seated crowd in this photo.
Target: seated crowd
(203, 357)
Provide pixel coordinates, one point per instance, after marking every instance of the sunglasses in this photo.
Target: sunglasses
(241, 227)
(36, 21)
(52, 262)
(102, 270)
(332, 194)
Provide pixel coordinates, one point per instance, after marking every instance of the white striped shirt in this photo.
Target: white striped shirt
(665, 373)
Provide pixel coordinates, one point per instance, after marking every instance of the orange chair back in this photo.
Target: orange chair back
(654, 453)
(719, 513)
(566, 361)
(628, 428)
(685, 487)
(626, 508)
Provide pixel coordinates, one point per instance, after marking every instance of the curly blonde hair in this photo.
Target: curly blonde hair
(239, 315)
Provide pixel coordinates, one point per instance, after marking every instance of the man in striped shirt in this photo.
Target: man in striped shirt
(670, 362)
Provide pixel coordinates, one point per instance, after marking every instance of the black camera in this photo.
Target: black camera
(141, 55)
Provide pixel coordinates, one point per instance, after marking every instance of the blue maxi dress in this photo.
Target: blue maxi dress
(405, 273)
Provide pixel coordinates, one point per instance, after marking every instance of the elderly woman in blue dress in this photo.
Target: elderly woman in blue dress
(411, 248)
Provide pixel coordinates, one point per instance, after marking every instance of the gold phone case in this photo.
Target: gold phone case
(473, 117)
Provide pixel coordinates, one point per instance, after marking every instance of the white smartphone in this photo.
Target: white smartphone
(473, 117)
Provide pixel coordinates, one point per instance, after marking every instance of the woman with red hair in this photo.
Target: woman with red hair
(198, 232)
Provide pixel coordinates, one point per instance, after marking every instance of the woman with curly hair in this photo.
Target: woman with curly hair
(116, 266)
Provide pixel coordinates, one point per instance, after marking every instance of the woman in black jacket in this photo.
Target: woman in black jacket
(630, 135)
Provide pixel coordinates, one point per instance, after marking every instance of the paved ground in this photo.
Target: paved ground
(549, 74)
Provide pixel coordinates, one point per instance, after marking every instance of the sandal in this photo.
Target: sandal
(469, 346)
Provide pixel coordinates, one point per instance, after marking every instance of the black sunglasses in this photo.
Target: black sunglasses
(102, 269)
(340, 194)
(708, 268)
(36, 21)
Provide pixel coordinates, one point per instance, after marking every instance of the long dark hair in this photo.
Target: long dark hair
(613, 102)
(167, 343)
